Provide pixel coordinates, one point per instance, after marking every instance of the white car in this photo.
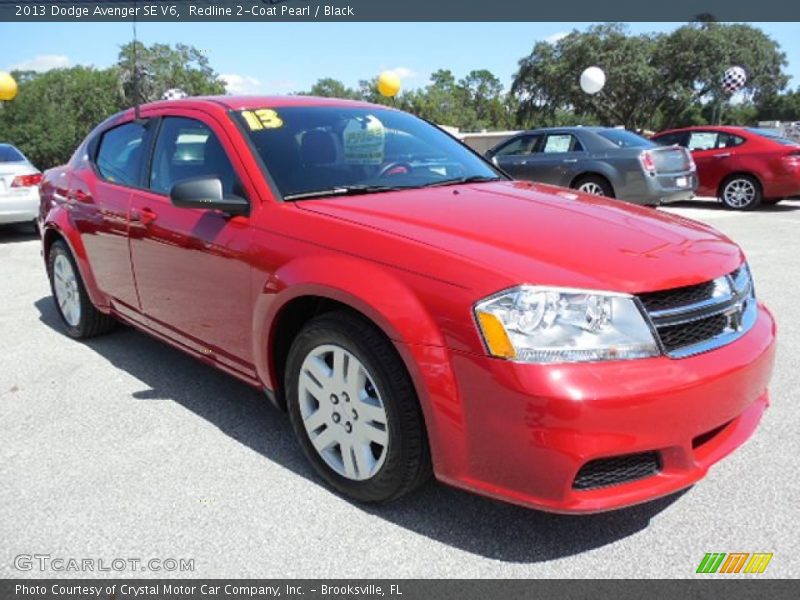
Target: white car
(19, 187)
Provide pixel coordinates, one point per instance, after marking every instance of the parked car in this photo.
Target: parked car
(741, 166)
(19, 187)
(410, 306)
(601, 161)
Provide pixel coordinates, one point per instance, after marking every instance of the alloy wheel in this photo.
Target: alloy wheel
(739, 193)
(590, 187)
(65, 285)
(342, 412)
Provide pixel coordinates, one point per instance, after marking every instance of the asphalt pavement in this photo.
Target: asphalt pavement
(124, 448)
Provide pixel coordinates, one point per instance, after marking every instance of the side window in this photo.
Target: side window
(702, 140)
(669, 139)
(119, 157)
(728, 140)
(520, 146)
(561, 142)
(187, 149)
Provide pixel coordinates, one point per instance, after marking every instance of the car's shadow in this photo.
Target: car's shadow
(13, 234)
(478, 525)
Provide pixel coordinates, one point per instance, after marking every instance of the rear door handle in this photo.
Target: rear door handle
(570, 160)
(723, 155)
(145, 216)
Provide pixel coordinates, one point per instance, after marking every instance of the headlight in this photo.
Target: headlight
(542, 325)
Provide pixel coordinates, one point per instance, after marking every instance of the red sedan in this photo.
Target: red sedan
(411, 308)
(741, 166)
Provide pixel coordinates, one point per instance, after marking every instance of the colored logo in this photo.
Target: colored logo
(735, 562)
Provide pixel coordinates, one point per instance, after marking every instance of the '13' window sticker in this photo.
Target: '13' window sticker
(263, 118)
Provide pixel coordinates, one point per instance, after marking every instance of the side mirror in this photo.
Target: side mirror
(489, 154)
(206, 192)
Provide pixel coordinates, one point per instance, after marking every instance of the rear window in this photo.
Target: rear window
(773, 136)
(119, 157)
(625, 139)
(11, 154)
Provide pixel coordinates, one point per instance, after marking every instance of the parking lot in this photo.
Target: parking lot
(123, 447)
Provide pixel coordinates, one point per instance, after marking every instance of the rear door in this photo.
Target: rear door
(192, 265)
(713, 154)
(557, 159)
(98, 198)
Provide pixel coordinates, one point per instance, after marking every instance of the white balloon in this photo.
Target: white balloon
(592, 80)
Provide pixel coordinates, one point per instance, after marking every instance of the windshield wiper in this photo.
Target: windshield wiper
(345, 190)
(459, 180)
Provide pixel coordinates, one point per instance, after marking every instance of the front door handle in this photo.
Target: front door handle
(570, 160)
(145, 216)
(723, 155)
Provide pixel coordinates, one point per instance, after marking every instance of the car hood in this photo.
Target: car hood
(534, 233)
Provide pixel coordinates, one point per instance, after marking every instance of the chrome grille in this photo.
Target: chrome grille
(694, 319)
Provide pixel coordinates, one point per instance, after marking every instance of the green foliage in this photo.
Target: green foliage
(784, 107)
(54, 111)
(653, 80)
(161, 67)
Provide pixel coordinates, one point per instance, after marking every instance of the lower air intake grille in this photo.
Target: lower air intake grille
(617, 470)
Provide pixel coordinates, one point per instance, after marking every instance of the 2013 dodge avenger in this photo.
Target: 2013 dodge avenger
(413, 309)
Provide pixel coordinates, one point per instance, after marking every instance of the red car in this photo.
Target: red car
(741, 166)
(412, 308)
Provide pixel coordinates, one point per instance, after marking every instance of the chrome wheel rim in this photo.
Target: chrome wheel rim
(65, 285)
(343, 412)
(590, 187)
(739, 193)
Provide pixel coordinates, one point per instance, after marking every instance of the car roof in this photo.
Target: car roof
(251, 102)
(723, 128)
(571, 128)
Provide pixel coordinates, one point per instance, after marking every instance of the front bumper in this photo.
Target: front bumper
(528, 429)
(19, 206)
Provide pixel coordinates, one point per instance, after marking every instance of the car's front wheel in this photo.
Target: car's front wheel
(354, 409)
(81, 319)
(741, 192)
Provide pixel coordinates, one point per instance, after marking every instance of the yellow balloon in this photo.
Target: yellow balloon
(8, 87)
(388, 84)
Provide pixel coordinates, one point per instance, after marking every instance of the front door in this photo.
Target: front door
(192, 265)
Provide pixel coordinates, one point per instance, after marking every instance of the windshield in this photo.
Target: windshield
(313, 151)
(773, 136)
(625, 139)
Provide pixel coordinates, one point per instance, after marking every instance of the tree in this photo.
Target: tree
(653, 80)
(783, 107)
(54, 111)
(331, 88)
(161, 67)
(693, 59)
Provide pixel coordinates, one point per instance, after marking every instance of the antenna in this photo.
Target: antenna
(136, 112)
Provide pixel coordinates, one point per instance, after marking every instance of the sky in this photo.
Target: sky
(278, 58)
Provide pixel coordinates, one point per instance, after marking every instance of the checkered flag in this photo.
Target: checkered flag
(174, 94)
(734, 79)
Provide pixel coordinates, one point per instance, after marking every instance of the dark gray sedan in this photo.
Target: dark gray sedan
(599, 160)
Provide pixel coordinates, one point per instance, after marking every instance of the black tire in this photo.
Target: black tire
(407, 462)
(91, 322)
(599, 185)
(751, 187)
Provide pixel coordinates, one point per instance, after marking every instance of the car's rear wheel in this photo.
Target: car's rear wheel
(81, 319)
(741, 192)
(354, 409)
(595, 185)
